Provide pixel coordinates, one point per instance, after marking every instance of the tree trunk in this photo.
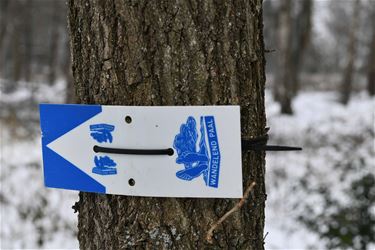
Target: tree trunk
(27, 40)
(300, 41)
(292, 40)
(282, 82)
(4, 15)
(346, 87)
(67, 71)
(54, 43)
(16, 53)
(371, 60)
(171, 53)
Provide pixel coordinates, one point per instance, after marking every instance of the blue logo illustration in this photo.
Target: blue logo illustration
(104, 166)
(198, 159)
(102, 132)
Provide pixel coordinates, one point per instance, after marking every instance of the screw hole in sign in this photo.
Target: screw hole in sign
(131, 182)
(128, 119)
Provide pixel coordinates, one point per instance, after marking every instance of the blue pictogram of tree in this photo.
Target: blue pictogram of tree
(194, 157)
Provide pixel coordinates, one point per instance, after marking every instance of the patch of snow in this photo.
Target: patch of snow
(31, 215)
(338, 147)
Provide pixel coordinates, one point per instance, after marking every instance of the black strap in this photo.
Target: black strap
(167, 151)
(254, 144)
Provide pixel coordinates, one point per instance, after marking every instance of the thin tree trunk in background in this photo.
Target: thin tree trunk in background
(4, 13)
(10, 58)
(371, 61)
(347, 80)
(5, 7)
(171, 53)
(282, 83)
(16, 52)
(293, 38)
(54, 41)
(300, 40)
(27, 40)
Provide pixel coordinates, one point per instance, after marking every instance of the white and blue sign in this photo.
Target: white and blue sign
(206, 143)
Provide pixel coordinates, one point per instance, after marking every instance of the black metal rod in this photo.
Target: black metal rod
(274, 148)
(167, 151)
(260, 144)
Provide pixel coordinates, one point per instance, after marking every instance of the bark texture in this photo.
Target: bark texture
(171, 53)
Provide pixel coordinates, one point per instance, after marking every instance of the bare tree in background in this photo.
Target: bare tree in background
(300, 40)
(172, 53)
(348, 73)
(4, 15)
(31, 35)
(16, 49)
(27, 39)
(371, 59)
(293, 37)
(20, 43)
(282, 82)
(54, 42)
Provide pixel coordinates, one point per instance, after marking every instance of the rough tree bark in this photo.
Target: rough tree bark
(171, 53)
(67, 71)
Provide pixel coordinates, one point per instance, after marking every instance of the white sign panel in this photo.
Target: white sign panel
(180, 151)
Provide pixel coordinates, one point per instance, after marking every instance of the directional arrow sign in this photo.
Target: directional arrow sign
(202, 145)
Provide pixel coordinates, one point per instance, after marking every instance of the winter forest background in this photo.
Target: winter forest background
(320, 95)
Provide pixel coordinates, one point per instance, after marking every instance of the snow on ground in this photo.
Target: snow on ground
(338, 147)
(35, 217)
(31, 215)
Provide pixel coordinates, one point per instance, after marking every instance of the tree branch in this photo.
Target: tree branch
(210, 232)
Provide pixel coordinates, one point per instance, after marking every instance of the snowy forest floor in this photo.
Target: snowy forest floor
(303, 188)
(308, 188)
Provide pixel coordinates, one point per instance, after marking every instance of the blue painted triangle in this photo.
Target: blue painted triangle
(56, 120)
(60, 173)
